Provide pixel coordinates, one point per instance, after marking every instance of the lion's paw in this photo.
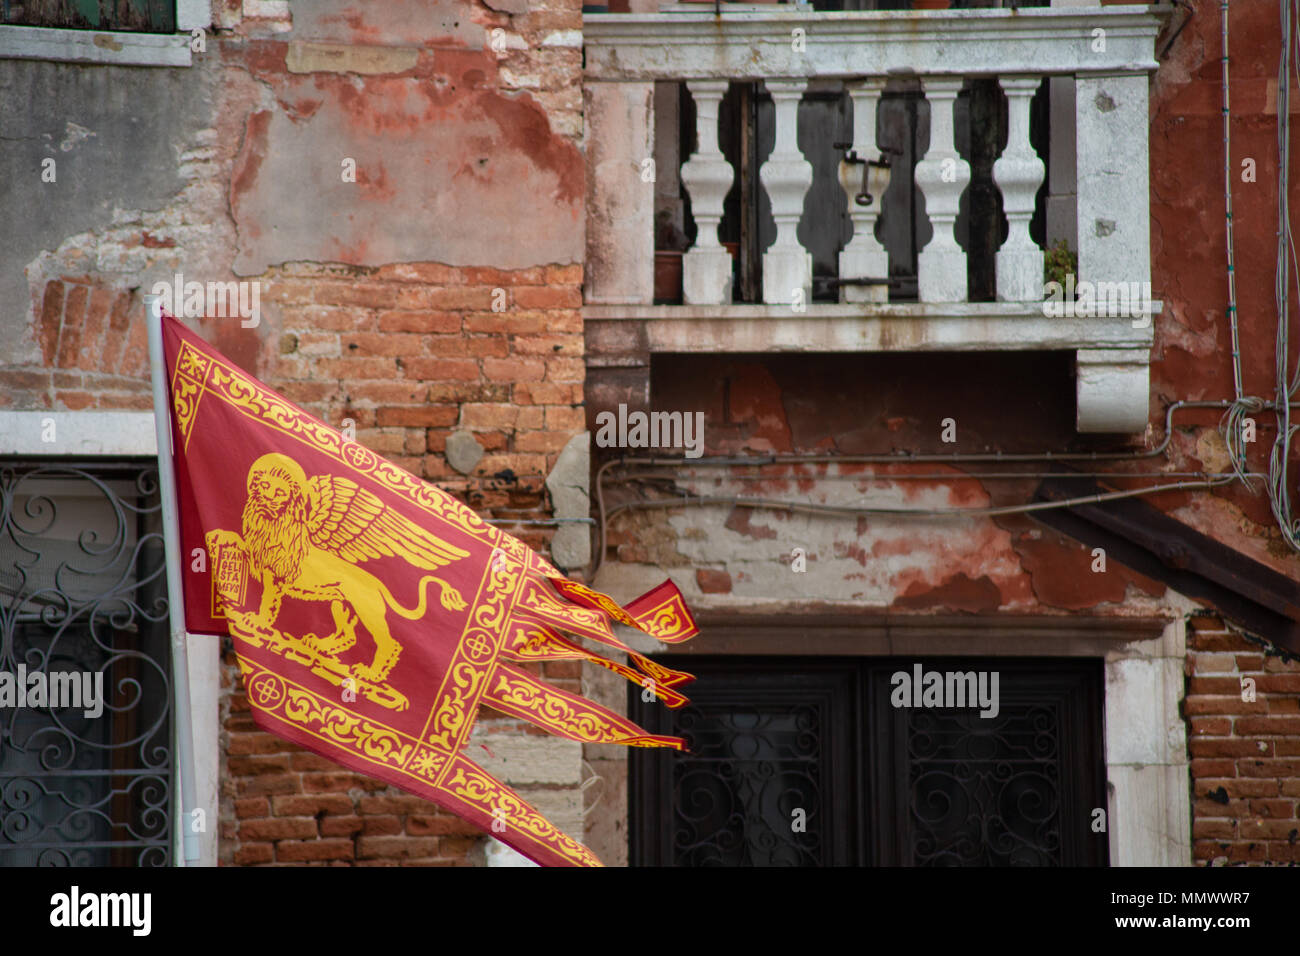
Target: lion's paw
(372, 675)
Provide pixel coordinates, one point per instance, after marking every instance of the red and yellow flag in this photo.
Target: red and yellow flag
(373, 613)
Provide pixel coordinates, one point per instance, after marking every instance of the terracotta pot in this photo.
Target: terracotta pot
(931, 4)
(668, 276)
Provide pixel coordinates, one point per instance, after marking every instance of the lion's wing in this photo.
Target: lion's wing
(356, 525)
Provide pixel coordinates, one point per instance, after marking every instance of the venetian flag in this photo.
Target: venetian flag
(372, 613)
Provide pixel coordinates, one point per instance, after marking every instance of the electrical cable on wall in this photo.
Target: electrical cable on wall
(1279, 482)
(1236, 410)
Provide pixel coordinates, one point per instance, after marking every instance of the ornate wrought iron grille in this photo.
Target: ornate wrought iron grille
(985, 795)
(82, 590)
(877, 785)
(764, 784)
(750, 774)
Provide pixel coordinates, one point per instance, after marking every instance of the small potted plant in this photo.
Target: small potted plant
(1059, 262)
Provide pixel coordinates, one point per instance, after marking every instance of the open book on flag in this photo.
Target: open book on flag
(373, 613)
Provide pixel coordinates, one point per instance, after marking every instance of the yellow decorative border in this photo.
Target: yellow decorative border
(538, 599)
(472, 785)
(534, 641)
(476, 652)
(187, 388)
(517, 692)
(329, 722)
(668, 620)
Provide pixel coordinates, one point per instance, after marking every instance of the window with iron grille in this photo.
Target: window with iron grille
(806, 762)
(82, 592)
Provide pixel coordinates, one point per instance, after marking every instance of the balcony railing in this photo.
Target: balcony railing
(945, 257)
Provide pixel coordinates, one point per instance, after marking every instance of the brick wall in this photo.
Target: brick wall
(242, 182)
(409, 353)
(92, 354)
(1245, 756)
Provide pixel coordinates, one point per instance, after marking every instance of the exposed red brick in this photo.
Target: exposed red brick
(500, 277)
(304, 761)
(381, 826)
(74, 317)
(565, 275)
(396, 847)
(75, 401)
(298, 828)
(516, 369)
(341, 826)
(426, 416)
(456, 370)
(249, 854)
(98, 311)
(380, 343)
(259, 743)
(469, 346)
(269, 783)
(424, 321)
(252, 807)
(548, 297)
(439, 825)
(711, 581)
(310, 806)
(295, 852)
(51, 320)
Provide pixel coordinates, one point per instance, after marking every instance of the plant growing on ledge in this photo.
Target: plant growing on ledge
(1058, 263)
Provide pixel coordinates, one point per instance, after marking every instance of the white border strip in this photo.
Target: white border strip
(95, 434)
(96, 46)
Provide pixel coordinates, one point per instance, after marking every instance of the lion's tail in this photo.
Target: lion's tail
(451, 598)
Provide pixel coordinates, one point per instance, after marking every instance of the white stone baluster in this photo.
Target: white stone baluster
(941, 176)
(1019, 172)
(707, 266)
(787, 267)
(864, 256)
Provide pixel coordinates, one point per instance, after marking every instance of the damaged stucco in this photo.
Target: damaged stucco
(125, 143)
(412, 101)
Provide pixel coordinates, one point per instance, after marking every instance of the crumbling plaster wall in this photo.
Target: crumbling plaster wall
(438, 293)
(739, 562)
(1003, 564)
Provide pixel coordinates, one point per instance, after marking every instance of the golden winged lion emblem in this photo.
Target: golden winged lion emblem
(306, 538)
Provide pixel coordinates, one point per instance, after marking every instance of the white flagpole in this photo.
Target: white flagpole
(175, 596)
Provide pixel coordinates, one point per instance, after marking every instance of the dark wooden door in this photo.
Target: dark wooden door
(807, 762)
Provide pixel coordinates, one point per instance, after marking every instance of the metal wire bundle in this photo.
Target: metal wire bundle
(1279, 483)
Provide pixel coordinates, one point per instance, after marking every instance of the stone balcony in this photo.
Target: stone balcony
(827, 256)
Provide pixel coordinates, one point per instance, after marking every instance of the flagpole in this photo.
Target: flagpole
(175, 594)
